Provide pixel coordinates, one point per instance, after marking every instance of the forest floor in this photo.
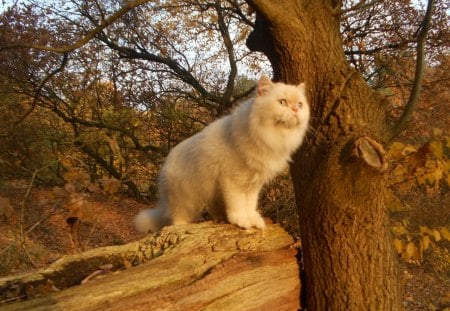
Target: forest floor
(426, 284)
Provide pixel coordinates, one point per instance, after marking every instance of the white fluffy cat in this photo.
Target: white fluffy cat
(222, 168)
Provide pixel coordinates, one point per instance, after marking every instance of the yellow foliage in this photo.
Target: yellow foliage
(425, 230)
(399, 230)
(395, 150)
(411, 247)
(411, 253)
(400, 170)
(398, 246)
(425, 165)
(425, 242)
(437, 149)
(437, 235)
(445, 233)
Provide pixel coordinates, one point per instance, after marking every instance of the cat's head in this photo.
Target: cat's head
(281, 105)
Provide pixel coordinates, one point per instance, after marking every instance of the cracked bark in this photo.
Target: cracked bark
(203, 266)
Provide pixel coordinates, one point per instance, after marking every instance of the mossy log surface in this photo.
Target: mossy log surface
(204, 266)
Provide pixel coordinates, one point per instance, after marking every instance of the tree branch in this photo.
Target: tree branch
(181, 72)
(109, 168)
(359, 6)
(376, 49)
(128, 5)
(411, 105)
(100, 125)
(231, 57)
(40, 87)
(237, 9)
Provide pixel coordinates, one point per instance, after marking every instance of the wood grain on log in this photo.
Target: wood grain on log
(204, 266)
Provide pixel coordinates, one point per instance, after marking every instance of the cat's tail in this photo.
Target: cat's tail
(151, 220)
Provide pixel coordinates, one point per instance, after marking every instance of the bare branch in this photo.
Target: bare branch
(237, 9)
(418, 77)
(230, 50)
(101, 125)
(376, 49)
(40, 87)
(181, 72)
(359, 6)
(128, 6)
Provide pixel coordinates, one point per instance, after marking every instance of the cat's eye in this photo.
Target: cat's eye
(300, 104)
(283, 102)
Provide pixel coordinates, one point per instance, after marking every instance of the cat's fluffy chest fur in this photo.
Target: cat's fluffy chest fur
(223, 167)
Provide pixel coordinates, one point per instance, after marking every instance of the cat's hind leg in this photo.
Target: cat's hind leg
(183, 208)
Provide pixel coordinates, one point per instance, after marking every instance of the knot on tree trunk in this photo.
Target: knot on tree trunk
(372, 152)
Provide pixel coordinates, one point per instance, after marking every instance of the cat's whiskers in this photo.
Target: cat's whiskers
(311, 132)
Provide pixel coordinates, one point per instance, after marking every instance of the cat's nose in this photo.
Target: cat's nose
(294, 108)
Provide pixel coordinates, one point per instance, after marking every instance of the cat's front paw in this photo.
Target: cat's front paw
(240, 220)
(257, 221)
(247, 221)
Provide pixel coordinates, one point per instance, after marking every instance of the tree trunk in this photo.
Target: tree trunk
(203, 266)
(338, 173)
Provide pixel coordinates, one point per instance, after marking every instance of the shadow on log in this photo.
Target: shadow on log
(204, 266)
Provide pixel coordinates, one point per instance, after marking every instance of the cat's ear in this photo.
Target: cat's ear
(302, 86)
(264, 85)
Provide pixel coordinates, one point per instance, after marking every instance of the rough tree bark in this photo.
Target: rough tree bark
(203, 266)
(338, 173)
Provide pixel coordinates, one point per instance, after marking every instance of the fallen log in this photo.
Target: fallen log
(204, 266)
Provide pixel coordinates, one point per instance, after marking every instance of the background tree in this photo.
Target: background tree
(175, 96)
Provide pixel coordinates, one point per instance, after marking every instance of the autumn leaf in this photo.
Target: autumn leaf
(6, 208)
(425, 230)
(114, 146)
(411, 252)
(437, 235)
(79, 207)
(418, 159)
(395, 151)
(110, 185)
(398, 246)
(436, 149)
(445, 233)
(425, 242)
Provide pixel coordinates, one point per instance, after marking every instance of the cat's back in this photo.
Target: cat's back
(210, 142)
